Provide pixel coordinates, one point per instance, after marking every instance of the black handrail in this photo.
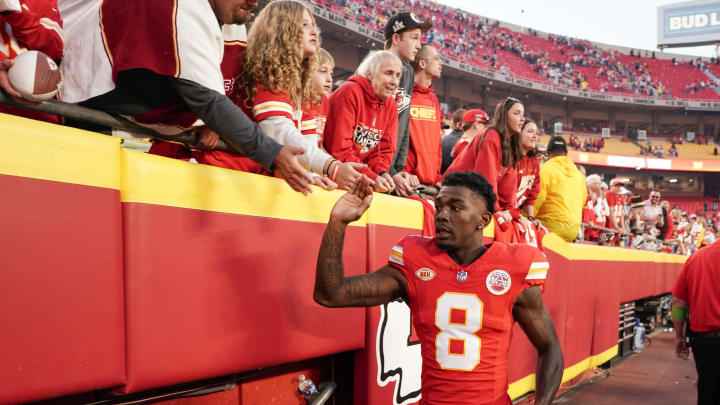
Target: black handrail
(91, 116)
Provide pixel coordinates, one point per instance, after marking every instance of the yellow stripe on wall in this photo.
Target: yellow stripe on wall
(576, 251)
(396, 211)
(39, 150)
(527, 383)
(158, 180)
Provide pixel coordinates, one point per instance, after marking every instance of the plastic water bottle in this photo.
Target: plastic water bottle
(306, 387)
(639, 338)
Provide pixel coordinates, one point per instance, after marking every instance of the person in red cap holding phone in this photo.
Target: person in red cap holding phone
(474, 122)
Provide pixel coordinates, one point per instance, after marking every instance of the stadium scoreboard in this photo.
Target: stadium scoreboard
(690, 23)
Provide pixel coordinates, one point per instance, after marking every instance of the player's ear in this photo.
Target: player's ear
(485, 219)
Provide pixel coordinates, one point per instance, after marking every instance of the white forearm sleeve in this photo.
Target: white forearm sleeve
(286, 133)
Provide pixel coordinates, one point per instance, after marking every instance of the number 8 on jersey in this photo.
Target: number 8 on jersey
(459, 317)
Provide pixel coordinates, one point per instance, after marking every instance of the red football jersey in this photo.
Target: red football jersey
(616, 202)
(463, 316)
(265, 104)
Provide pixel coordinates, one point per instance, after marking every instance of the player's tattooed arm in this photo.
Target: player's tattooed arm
(537, 324)
(332, 288)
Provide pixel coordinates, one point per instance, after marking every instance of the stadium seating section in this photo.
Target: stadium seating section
(555, 60)
(693, 204)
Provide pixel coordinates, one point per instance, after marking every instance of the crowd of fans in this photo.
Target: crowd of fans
(560, 60)
(616, 217)
(593, 144)
(269, 96)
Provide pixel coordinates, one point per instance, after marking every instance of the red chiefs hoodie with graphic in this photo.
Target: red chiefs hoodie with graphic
(425, 153)
(360, 127)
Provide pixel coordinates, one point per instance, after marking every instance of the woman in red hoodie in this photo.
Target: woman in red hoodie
(361, 125)
(495, 156)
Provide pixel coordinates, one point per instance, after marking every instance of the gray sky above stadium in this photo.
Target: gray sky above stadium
(631, 23)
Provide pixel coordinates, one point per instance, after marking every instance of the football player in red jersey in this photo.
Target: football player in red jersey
(464, 296)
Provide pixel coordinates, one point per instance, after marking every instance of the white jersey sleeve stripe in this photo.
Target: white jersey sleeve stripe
(397, 260)
(540, 265)
(272, 106)
(52, 25)
(396, 255)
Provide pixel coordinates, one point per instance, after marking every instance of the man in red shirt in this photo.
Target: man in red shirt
(696, 292)
(616, 202)
(464, 296)
(425, 153)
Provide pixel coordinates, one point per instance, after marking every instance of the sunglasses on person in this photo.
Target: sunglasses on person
(511, 100)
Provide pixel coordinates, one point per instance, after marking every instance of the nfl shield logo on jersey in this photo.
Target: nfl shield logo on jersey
(498, 282)
(462, 276)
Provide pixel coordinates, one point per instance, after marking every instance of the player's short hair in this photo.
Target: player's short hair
(476, 183)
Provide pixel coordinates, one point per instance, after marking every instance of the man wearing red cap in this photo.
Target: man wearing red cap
(474, 123)
(616, 202)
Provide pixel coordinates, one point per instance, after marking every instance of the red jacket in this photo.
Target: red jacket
(264, 105)
(487, 160)
(425, 153)
(360, 127)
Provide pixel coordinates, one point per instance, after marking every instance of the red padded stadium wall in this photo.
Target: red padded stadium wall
(212, 293)
(381, 239)
(61, 286)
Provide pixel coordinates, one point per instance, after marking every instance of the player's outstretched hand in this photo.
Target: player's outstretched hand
(353, 204)
(287, 166)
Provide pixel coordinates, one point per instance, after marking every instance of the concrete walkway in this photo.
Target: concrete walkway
(652, 377)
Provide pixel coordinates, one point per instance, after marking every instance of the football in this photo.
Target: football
(35, 76)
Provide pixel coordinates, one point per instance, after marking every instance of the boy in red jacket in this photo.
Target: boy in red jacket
(425, 151)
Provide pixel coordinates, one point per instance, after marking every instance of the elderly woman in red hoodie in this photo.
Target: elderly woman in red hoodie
(362, 121)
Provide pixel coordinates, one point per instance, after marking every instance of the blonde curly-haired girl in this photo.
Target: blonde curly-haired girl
(276, 87)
